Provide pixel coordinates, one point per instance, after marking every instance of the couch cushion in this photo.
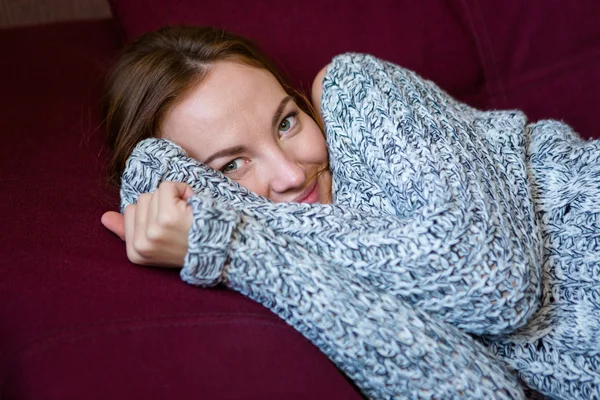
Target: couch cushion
(78, 320)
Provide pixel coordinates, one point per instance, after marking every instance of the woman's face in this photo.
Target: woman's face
(240, 121)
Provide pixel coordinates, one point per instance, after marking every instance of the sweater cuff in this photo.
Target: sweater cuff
(209, 242)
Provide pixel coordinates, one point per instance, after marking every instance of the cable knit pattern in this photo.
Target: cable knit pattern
(440, 227)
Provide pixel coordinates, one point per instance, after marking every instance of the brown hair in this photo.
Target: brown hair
(156, 70)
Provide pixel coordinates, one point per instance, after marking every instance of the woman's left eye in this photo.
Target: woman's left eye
(288, 123)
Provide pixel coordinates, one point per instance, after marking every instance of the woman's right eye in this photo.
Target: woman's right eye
(232, 166)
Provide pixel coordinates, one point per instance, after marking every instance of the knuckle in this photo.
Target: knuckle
(133, 256)
(142, 247)
(153, 233)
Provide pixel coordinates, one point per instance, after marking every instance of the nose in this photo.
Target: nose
(285, 174)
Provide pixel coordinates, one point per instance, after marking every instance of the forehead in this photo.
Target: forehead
(232, 99)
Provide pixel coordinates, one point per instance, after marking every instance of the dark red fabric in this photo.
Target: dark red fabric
(78, 321)
(539, 56)
(303, 35)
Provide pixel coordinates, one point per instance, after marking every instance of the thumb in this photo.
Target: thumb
(115, 223)
(187, 192)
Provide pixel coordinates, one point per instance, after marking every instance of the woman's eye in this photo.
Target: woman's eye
(232, 166)
(288, 123)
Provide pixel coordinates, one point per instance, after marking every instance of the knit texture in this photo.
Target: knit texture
(445, 226)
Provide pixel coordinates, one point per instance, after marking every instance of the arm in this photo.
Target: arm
(389, 348)
(303, 263)
(387, 253)
(463, 246)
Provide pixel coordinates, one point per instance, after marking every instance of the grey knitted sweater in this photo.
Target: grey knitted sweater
(463, 247)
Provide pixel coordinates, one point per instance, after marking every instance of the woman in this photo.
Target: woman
(443, 215)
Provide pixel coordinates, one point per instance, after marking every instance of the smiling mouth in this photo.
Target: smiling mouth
(309, 195)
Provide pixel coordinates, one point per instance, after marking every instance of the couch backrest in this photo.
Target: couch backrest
(534, 55)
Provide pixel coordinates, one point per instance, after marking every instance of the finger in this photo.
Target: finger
(129, 219)
(114, 222)
(140, 245)
(179, 190)
(188, 192)
(153, 207)
(141, 217)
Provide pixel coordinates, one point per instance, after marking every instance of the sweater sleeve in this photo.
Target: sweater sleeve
(388, 347)
(311, 265)
(439, 259)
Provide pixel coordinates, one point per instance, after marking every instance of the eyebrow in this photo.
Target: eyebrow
(231, 151)
(279, 110)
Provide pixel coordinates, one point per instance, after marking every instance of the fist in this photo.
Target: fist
(155, 229)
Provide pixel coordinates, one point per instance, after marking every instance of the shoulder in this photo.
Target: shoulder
(338, 68)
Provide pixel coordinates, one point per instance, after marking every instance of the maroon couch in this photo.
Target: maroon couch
(78, 321)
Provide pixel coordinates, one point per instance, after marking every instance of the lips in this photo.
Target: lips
(309, 195)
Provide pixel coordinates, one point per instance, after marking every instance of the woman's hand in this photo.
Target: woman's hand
(156, 228)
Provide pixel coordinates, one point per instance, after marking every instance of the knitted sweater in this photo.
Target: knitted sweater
(451, 228)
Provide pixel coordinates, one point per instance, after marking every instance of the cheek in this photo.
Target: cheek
(254, 182)
(315, 145)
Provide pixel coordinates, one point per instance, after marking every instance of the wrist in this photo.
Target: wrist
(209, 241)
